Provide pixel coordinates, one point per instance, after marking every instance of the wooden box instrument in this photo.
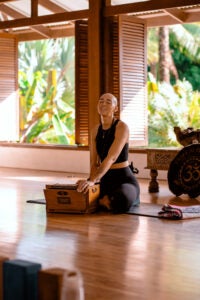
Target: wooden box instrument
(64, 198)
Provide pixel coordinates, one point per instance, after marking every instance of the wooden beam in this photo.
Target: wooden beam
(4, 1)
(11, 12)
(29, 35)
(193, 17)
(146, 6)
(4, 16)
(167, 20)
(47, 19)
(176, 14)
(164, 20)
(34, 8)
(45, 32)
(55, 8)
(42, 30)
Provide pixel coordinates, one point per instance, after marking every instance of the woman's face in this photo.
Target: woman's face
(107, 105)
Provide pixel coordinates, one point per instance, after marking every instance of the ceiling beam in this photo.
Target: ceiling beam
(146, 6)
(166, 20)
(47, 19)
(44, 32)
(4, 1)
(34, 8)
(56, 32)
(193, 17)
(11, 12)
(176, 14)
(55, 8)
(4, 16)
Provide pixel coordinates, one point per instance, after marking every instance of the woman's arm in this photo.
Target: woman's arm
(98, 171)
(83, 185)
(94, 158)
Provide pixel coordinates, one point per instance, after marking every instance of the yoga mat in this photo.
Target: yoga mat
(146, 209)
(152, 210)
(37, 201)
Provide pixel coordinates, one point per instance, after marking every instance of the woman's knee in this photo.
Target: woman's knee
(123, 198)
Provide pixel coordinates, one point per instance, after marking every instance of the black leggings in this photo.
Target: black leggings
(122, 188)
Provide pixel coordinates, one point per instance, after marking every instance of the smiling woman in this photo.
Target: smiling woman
(119, 189)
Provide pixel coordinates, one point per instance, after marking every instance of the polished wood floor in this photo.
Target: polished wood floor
(121, 257)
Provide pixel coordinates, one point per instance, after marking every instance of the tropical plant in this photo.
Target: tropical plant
(185, 48)
(46, 82)
(183, 55)
(174, 66)
(171, 106)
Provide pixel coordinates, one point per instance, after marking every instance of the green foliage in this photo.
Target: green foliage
(170, 106)
(185, 49)
(46, 83)
(178, 103)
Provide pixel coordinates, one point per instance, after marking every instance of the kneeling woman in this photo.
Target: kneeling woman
(119, 188)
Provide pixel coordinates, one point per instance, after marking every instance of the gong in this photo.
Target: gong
(184, 172)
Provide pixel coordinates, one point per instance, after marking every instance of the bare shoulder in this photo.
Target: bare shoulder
(122, 126)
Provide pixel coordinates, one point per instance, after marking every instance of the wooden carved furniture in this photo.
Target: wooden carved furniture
(183, 165)
(187, 136)
(158, 159)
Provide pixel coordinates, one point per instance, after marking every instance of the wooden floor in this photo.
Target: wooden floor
(121, 257)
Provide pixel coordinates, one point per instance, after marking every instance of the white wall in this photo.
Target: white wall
(61, 160)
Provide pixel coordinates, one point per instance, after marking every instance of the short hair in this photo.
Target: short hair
(114, 99)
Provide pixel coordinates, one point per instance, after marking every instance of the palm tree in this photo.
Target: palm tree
(161, 54)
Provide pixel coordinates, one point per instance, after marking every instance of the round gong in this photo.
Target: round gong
(184, 172)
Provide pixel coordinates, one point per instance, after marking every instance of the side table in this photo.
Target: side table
(159, 159)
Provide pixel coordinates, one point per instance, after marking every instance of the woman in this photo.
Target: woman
(119, 189)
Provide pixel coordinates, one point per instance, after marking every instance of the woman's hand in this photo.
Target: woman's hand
(83, 185)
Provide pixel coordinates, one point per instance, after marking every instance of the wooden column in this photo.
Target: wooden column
(94, 59)
(34, 8)
(107, 55)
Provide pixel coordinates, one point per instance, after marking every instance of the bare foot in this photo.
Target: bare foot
(105, 202)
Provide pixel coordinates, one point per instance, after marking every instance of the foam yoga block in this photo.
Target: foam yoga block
(2, 260)
(20, 280)
(60, 284)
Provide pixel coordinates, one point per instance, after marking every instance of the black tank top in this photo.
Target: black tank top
(104, 140)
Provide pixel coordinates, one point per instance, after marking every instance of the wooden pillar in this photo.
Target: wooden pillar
(107, 55)
(34, 8)
(94, 59)
(107, 59)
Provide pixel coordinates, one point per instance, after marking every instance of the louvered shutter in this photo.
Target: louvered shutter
(116, 62)
(132, 66)
(81, 86)
(128, 77)
(9, 105)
